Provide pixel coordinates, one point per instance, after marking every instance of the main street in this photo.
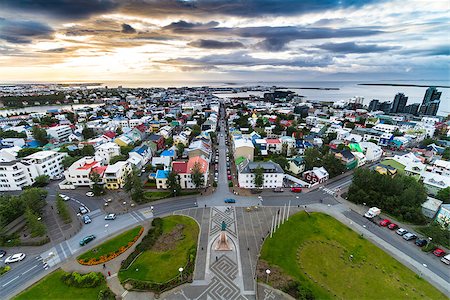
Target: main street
(39, 264)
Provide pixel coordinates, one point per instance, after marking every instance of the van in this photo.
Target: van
(446, 259)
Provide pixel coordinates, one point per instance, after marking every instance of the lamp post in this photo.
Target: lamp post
(181, 273)
(106, 229)
(268, 273)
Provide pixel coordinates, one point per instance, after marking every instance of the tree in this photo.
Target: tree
(97, 186)
(427, 142)
(173, 183)
(197, 175)
(40, 135)
(284, 149)
(444, 195)
(117, 158)
(27, 151)
(312, 158)
(124, 150)
(397, 133)
(350, 125)
(180, 149)
(290, 130)
(133, 185)
(169, 141)
(69, 160)
(333, 165)
(87, 150)
(196, 130)
(258, 179)
(63, 210)
(34, 223)
(87, 133)
(41, 180)
(281, 160)
(119, 130)
(446, 153)
(260, 122)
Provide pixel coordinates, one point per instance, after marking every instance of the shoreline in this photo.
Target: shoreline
(405, 85)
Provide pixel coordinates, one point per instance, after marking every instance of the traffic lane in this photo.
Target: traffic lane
(169, 207)
(14, 278)
(92, 203)
(345, 181)
(408, 248)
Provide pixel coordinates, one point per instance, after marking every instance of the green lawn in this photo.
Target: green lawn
(111, 245)
(52, 287)
(161, 266)
(318, 248)
(394, 164)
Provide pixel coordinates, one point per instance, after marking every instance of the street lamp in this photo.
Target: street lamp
(181, 273)
(268, 273)
(106, 229)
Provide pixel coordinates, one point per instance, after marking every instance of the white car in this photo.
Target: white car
(15, 258)
(83, 210)
(64, 197)
(110, 217)
(90, 194)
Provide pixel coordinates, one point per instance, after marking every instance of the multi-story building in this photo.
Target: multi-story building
(60, 132)
(114, 176)
(431, 101)
(316, 175)
(78, 174)
(15, 175)
(243, 148)
(106, 151)
(273, 174)
(398, 106)
(47, 163)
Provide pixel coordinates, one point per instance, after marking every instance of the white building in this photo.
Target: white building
(115, 174)
(13, 142)
(47, 163)
(60, 132)
(15, 175)
(106, 151)
(78, 174)
(273, 174)
(386, 128)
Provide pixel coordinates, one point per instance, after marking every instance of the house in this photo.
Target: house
(302, 145)
(158, 140)
(372, 151)
(443, 216)
(431, 207)
(273, 174)
(434, 182)
(289, 143)
(316, 175)
(115, 175)
(13, 142)
(181, 138)
(261, 145)
(296, 165)
(347, 158)
(78, 174)
(161, 179)
(441, 167)
(385, 170)
(106, 151)
(142, 153)
(184, 171)
(199, 148)
(162, 162)
(360, 157)
(243, 148)
(9, 154)
(274, 146)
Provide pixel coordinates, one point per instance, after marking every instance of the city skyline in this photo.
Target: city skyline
(221, 40)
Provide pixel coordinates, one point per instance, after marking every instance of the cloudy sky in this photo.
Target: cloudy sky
(223, 40)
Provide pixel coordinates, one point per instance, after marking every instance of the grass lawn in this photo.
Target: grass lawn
(112, 245)
(52, 287)
(394, 164)
(161, 266)
(320, 246)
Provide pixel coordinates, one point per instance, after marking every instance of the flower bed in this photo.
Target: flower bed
(122, 243)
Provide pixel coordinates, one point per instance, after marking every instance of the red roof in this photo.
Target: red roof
(197, 159)
(88, 166)
(110, 134)
(180, 167)
(273, 141)
(100, 170)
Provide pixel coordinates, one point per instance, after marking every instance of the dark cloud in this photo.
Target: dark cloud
(351, 47)
(247, 8)
(213, 44)
(23, 31)
(128, 29)
(245, 60)
(272, 38)
(62, 9)
(440, 50)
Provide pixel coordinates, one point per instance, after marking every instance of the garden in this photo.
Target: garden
(111, 248)
(170, 244)
(326, 259)
(63, 285)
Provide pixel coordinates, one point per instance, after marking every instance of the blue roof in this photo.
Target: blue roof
(33, 144)
(140, 149)
(170, 153)
(161, 174)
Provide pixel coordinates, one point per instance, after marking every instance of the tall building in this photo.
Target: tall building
(431, 101)
(398, 106)
(412, 109)
(374, 105)
(385, 107)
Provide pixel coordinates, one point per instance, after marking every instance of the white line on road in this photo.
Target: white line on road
(10, 281)
(29, 269)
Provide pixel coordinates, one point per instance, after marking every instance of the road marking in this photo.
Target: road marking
(134, 217)
(10, 281)
(29, 269)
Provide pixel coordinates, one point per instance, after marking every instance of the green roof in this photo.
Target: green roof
(239, 160)
(394, 164)
(355, 147)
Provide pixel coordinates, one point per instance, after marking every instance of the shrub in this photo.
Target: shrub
(230, 183)
(88, 280)
(106, 294)
(4, 269)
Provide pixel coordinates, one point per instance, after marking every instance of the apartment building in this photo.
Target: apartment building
(15, 175)
(114, 176)
(273, 174)
(78, 174)
(106, 151)
(47, 163)
(60, 132)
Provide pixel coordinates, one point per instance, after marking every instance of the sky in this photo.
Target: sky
(223, 40)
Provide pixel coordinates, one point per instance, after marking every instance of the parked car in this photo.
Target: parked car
(278, 190)
(421, 242)
(64, 197)
(15, 258)
(86, 219)
(446, 259)
(439, 252)
(110, 217)
(90, 194)
(409, 236)
(385, 222)
(229, 177)
(392, 226)
(83, 210)
(87, 239)
(296, 189)
(2, 253)
(401, 231)
(229, 200)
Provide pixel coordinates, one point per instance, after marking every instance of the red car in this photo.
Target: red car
(385, 222)
(296, 190)
(229, 177)
(439, 252)
(392, 226)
